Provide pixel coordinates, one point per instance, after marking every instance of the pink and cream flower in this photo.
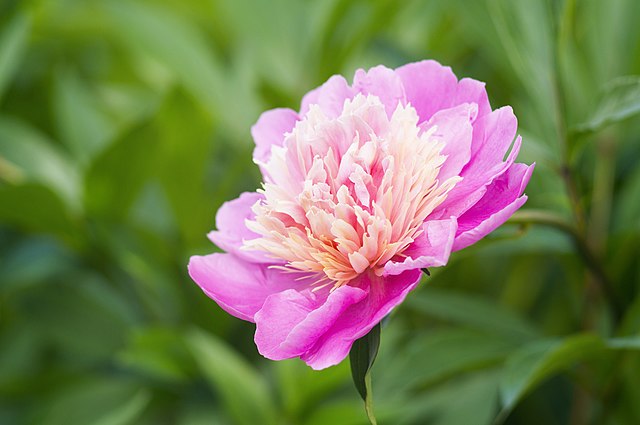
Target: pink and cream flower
(365, 186)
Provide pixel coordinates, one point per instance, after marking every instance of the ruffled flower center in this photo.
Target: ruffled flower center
(343, 196)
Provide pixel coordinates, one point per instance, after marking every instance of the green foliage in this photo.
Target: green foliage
(124, 125)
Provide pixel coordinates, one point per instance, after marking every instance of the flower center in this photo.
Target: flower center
(345, 195)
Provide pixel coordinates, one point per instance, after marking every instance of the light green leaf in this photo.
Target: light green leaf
(621, 100)
(243, 390)
(13, 41)
(525, 31)
(182, 49)
(81, 125)
(625, 343)
(38, 160)
(128, 412)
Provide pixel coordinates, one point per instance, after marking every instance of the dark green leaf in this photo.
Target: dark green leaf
(97, 402)
(119, 173)
(432, 357)
(362, 356)
(540, 360)
(471, 311)
(18, 208)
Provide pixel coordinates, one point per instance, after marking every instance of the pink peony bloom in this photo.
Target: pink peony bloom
(363, 187)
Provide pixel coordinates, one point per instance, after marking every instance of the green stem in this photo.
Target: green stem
(368, 402)
(589, 258)
(601, 200)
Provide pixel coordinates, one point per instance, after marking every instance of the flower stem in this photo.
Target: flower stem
(368, 402)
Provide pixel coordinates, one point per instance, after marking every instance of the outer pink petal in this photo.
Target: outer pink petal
(431, 87)
(240, 288)
(472, 91)
(382, 82)
(454, 128)
(232, 231)
(500, 201)
(291, 322)
(431, 249)
(356, 321)
(330, 97)
(270, 130)
(492, 137)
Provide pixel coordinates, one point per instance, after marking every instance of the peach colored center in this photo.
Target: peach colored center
(345, 195)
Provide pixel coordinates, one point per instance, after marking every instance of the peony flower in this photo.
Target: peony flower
(365, 186)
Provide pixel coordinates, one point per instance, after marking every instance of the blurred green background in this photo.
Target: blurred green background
(125, 124)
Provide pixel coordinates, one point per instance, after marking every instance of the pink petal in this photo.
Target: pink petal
(431, 249)
(269, 131)
(472, 91)
(232, 231)
(330, 97)
(239, 287)
(357, 320)
(500, 201)
(382, 82)
(429, 86)
(290, 322)
(454, 128)
(492, 136)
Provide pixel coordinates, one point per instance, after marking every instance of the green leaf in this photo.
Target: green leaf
(159, 352)
(81, 124)
(621, 100)
(336, 413)
(37, 159)
(99, 401)
(301, 388)
(128, 412)
(433, 357)
(183, 166)
(13, 42)
(624, 343)
(540, 360)
(243, 390)
(50, 216)
(471, 399)
(471, 311)
(362, 356)
(179, 47)
(626, 217)
(117, 175)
